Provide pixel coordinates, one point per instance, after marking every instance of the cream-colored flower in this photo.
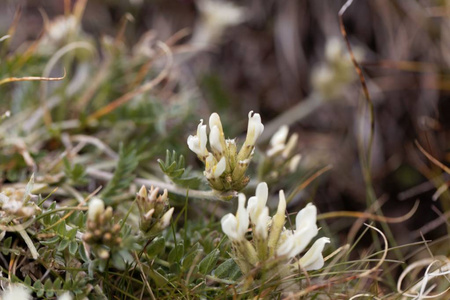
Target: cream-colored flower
(214, 168)
(306, 228)
(225, 168)
(96, 208)
(16, 292)
(233, 226)
(313, 259)
(255, 128)
(216, 16)
(197, 143)
(257, 203)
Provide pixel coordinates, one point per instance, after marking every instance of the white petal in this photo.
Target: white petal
(262, 193)
(254, 129)
(96, 207)
(257, 203)
(291, 144)
(286, 246)
(281, 203)
(279, 138)
(16, 292)
(251, 207)
(275, 150)
(306, 217)
(201, 133)
(293, 163)
(66, 296)
(262, 222)
(165, 219)
(214, 139)
(194, 144)
(313, 259)
(214, 120)
(220, 167)
(242, 217)
(302, 238)
(229, 226)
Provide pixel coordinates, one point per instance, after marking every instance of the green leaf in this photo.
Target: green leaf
(51, 241)
(37, 285)
(209, 262)
(57, 284)
(176, 253)
(7, 242)
(27, 281)
(156, 247)
(71, 233)
(73, 247)
(174, 168)
(83, 254)
(63, 244)
(123, 175)
(48, 287)
(227, 270)
(61, 229)
(191, 257)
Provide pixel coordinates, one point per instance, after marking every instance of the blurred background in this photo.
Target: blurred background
(273, 57)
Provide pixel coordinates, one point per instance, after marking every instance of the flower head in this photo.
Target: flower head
(269, 238)
(235, 226)
(224, 167)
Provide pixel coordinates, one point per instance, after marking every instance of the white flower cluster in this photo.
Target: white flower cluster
(269, 236)
(330, 78)
(280, 159)
(224, 166)
(16, 203)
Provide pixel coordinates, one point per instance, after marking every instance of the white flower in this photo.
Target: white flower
(278, 141)
(261, 224)
(257, 203)
(16, 292)
(197, 143)
(96, 208)
(306, 228)
(213, 168)
(293, 163)
(313, 259)
(254, 129)
(290, 145)
(215, 140)
(235, 227)
(214, 120)
(66, 296)
(216, 16)
(165, 219)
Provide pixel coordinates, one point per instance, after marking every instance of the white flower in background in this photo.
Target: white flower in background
(16, 292)
(215, 17)
(66, 296)
(96, 208)
(280, 159)
(278, 141)
(224, 167)
(233, 226)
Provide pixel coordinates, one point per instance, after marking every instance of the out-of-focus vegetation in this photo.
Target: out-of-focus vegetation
(99, 98)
